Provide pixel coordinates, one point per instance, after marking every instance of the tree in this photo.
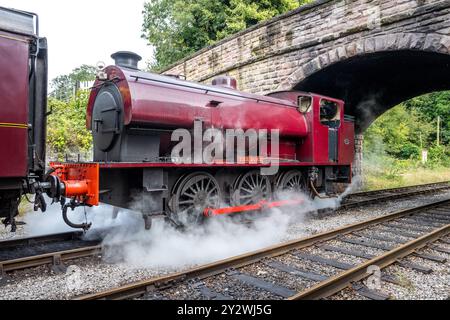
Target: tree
(62, 88)
(400, 132)
(242, 14)
(65, 87)
(178, 28)
(429, 107)
(66, 126)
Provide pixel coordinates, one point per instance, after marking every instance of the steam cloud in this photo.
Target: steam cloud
(220, 237)
(167, 247)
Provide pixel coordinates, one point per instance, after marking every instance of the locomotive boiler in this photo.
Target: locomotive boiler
(133, 115)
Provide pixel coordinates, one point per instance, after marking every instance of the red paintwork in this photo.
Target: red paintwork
(159, 101)
(314, 148)
(128, 165)
(347, 143)
(13, 105)
(262, 205)
(177, 103)
(320, 132)
(81, 180)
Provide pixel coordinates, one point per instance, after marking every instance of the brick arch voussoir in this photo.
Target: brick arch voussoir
(433, 42)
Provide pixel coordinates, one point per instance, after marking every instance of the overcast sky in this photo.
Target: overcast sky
(86, 31)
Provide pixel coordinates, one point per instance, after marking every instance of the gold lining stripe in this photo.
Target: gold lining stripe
(13, 125)
(13, 38)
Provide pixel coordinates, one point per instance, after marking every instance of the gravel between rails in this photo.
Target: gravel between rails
(413, 285)
(333, 255)
(95, 275)
(5, 234)
(346, 217)
(98, 275)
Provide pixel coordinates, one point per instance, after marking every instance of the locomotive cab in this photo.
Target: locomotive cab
(329, 144)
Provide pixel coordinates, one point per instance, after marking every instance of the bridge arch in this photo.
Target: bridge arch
(373, 75)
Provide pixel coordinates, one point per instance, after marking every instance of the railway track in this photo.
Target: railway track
(289, 271)
(55, 249)
(358, 199)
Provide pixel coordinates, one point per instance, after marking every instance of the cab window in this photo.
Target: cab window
(304, 103)
(330, 113)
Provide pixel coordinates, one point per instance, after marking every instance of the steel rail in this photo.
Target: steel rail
(64, 255)
(359, 203)
(48, 258)
(69, 235)
(397, 189)
(341, 281)
(51, 257)
(26, 241)
(141, 287)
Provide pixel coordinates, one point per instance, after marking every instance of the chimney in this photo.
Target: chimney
(126, 59)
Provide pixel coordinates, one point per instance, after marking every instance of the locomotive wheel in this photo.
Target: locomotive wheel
(251, 188)
(193, 194)
(292, 180)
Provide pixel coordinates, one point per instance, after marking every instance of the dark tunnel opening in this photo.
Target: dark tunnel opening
(373, 83)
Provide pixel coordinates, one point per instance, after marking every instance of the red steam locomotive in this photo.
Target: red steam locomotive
(137, 120)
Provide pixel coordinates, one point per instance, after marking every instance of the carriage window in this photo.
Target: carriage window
(330, 114)
(304, 103)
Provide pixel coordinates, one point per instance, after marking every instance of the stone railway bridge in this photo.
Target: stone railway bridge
(373, 54)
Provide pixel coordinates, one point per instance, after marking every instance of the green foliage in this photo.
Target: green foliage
(400, 132)
(178, 28)
(429, 107)
(64, 87)
(393, 143)
(83, 73)
(384, 171)
(439, 155)
(66, 126)
(242, 14)
(409, 151)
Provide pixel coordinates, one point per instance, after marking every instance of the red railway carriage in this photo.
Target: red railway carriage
(132, 115)
(23, 92)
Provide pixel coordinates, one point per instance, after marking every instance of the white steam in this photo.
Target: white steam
(220, 237)
(352, 187)
(164, 246)
(51, 221)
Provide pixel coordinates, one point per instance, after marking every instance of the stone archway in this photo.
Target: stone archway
(373, 75)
